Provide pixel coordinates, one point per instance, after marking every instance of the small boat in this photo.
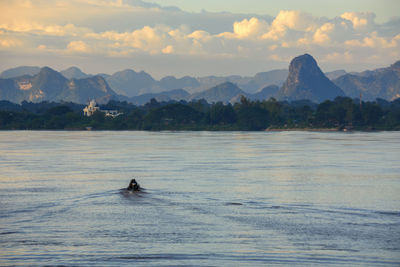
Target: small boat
(133, 186)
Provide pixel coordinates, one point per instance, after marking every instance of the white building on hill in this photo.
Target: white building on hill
(90, 109)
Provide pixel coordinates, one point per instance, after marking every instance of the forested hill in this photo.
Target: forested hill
(340, 114)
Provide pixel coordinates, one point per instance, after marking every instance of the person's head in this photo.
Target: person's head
(133, 181)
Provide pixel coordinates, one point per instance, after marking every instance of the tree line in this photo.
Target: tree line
(341, 113)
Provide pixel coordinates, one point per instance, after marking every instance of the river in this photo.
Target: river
(210, 198)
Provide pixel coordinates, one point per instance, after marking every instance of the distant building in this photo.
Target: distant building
(111, 113)
(90, 109)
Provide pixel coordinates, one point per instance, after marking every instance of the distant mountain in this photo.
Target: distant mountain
(131, 83)
(177, 95)
(263, 79)
(50, 85)
(9, 91)
(46, 85)
(307, 81)
(19, 71)
(225, 92)
(104, 75)
(82, 90)
(265, 93)
(74, 73)
(171, 83)
(212, 81)
(248, 84)
(335, 74)
(381, 83)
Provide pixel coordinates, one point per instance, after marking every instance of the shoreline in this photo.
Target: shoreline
(205, 130)
(305, 130)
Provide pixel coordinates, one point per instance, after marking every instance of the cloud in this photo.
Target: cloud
(153, 40)
(321, 35)
(289, 20)
(78, 46)
(7, 41)
(293, 19)
(338, 57)
(375, 41)
(251, 28)
(41, 29)
(127, 29)
(168, 50)
(147, 39)
(42, 47)
(200, 35)
(359, 20)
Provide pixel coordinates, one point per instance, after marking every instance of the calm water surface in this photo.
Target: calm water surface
(211, 199)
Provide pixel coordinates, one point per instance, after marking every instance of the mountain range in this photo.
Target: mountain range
(303, 80)
(131, 83)
(19, 71)
(50, 85)
(382, 83)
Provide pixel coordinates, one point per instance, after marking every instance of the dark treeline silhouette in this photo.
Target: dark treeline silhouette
(341, 113)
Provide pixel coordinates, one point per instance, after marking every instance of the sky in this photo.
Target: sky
(198, 38)
(330, 8)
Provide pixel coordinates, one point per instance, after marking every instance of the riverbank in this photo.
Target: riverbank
(304, 130)
(339, 115)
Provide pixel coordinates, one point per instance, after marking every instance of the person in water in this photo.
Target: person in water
(133, 186)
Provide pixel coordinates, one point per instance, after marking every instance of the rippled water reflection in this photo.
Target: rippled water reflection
(211, 199)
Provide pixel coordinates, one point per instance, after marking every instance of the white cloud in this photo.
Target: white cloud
(295, 20)
(41, 29)
(321, 35)
(250, 28)
(78, 46)
(338, 57)
(359, 20)
(42, 47)
(200, 35)
(125, 29)
(153, 40)
(147, 39)
(9, 43)
(168, 50)
(375, 41)
(289, 20)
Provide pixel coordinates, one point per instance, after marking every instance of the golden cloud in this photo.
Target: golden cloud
(359, 19)
(78, 46)
(250, 28)
(42, 25)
